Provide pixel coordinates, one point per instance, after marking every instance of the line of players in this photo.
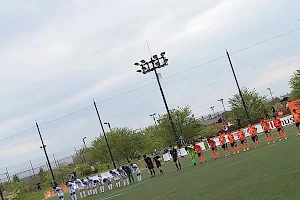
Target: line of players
(241, 136)
(88, 187)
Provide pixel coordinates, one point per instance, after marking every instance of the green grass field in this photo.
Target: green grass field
(268, 172)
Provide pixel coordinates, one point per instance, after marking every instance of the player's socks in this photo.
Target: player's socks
(247, 145)
(154, 172)
(284, 134)
(80, 193)
(200, 159)
(204, 158)
(84, 195)
(161, 171)
(140, 178)
(194, 161)
(176, 166)
(213, 154)
(179, 165)
(128, 181)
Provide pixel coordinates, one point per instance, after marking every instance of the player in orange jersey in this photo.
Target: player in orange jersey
(213, 147)
(198, 149)
(252, 130)
(233, 143)
(296, 116)
(223, 143)
(280, 131)
(267, 130)
(242, 137)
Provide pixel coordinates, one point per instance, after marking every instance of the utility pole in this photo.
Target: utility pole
(104, 133)
(154, 119)
(152, 65)
(238, 86)
(108, 124)
(46, 155)
(213, 110)
(271, 93)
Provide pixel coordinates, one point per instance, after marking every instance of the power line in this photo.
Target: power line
(175, 74)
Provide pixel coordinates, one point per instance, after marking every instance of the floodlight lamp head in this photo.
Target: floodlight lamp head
(137, 64)
(143, 61)
(163, 54)
(155, 57)
(139, 71)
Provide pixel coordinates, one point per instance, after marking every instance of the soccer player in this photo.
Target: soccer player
(128, 171)
(242, 137)
(92, 186)
(59, 192)
(137, 171)
(296, 116)
(198, 149)
(174, 155)
(192, 153)
(80, 187)
(156, 159)
(213, 147)
(124, 176)
(252, 130)
(72, 191)
(266, 127)
(101, 184)
(233, 144)
(280, 131)
(223, 143)
(108, 182)
(116, 178)
(149, 165)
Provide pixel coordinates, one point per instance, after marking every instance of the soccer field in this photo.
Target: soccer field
(268, 172)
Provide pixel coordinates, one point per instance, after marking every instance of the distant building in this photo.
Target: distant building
(210, 119)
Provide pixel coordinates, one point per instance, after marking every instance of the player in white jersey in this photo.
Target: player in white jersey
(71, 187)
(116, 177)
(101, 184)
(108, 181)
(87, 188)
(124, 176)
(92, 186)
(79, 185)
(137, 171)
(59, 192)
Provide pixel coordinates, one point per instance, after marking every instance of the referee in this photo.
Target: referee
(149, 165)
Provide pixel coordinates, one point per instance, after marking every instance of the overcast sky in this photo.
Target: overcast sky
(56, 56)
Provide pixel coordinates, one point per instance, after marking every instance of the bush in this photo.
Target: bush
(83, 169)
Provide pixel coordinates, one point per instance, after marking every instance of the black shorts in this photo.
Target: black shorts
(224, 146)
(175, 159)
(213, 148)
(233, 144)
(297, 124)
(200, 154)
(267, 131)
(243, 141)
(279, 129)
(150, 167)
(254, 138)
(158, 164)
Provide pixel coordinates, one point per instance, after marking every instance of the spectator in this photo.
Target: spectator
(38, 184)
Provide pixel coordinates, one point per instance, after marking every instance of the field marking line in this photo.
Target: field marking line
(158, 197)
(109, 197)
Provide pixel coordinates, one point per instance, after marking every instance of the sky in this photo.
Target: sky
(57, 56)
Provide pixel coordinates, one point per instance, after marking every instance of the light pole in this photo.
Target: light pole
(222, 101)
(271, 93)
(238, 86)
(83, 139)
(154, 118)
(213, 109)
(104, 133)
(46, 155)
(108, 124)
(152, 65)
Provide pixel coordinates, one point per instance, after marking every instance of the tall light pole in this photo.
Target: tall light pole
(213, 109)
(108, 124)
(83, 140)
(271, 93)
(222, 101)
(46, 155)
(238, 86)
(154, 118)
(152, 65)
(104, 133)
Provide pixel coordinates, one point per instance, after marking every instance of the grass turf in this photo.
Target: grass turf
(268, 172)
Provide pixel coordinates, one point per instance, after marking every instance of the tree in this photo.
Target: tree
(295, 85)
(255, 104)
